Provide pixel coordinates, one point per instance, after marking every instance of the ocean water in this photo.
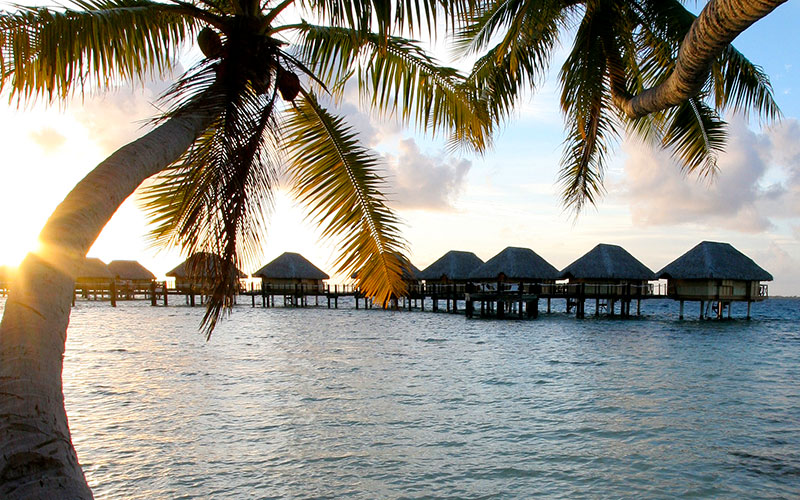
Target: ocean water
(318, 403)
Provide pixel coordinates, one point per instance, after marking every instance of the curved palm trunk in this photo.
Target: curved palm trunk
(37, 459)
(717, 25)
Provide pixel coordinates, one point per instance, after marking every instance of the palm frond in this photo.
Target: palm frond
(736, 82)
(337, 180)
(520, 60)
(486, 21)
(215, 198)
(379, 16)
(586, 102)
(400, 78)
(52, 53)
(741, 85)
(696, 135)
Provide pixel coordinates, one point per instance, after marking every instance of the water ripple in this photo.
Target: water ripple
(286, 403)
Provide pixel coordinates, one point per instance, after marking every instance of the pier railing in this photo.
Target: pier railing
(300, 289)
(543, 290)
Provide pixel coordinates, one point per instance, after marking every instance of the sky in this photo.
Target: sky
(460, 201)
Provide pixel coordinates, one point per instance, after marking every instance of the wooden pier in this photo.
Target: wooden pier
(298, 295)
(500, 300)
(521, 300)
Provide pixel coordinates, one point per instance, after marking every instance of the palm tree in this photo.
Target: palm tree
(710, 34)
(246, 113)
(627, 71)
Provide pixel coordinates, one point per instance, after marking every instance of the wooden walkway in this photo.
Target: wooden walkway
(521, 300)
(497, 300)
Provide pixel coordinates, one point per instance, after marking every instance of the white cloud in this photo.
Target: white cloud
(738, 198)
(118, 117)
(420, 181)
(49, 139)
(783, 266)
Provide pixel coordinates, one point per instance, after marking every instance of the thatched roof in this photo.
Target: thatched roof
(713, 260)
(610, 262)
(291, 265)
(455, 265)
(129, 270)
(93, 268)
(516, 263)
(199, 265)
(414, 272)
(412, 276)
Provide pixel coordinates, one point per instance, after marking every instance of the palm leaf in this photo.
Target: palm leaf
(337, 180)
(54, 52)
(741, 85)
(736, 82)
(400, 79)
(377, 15)
(214, 200)
(696, 135)
(486, 20)
(520, 60)
(586, 103)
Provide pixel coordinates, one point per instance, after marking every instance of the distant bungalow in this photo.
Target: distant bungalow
(410, 274)
(714, 271)
(291, 269)
(131, 272)
(197, 273)
(453, 267)
(93, 273)
(608, 264)
(515, 264)
(5, 279)
(610, 271)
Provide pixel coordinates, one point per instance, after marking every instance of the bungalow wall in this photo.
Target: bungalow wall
(714, 289)
(93, 283)
(612, 287)
(291, 283)
(197, 285)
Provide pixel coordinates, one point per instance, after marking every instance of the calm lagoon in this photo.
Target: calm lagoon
(318, 403)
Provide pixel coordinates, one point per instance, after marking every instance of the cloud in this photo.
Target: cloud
(782, 265)
(371, 129)
(416, 181)
(420, 181)
(118, 117)
(742, 197)
(48, 139)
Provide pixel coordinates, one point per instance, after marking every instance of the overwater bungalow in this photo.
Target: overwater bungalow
(715, 272)
(453, 267)
(93, 278)
(410, 274)
(5, 279)
(93, 273)
(513, 276)
(608, 273)
(515, 265)
(197, 272)
(289, 270)
(131, 277)
(131, 273)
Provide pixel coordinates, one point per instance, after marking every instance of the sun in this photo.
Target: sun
(45, 153)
